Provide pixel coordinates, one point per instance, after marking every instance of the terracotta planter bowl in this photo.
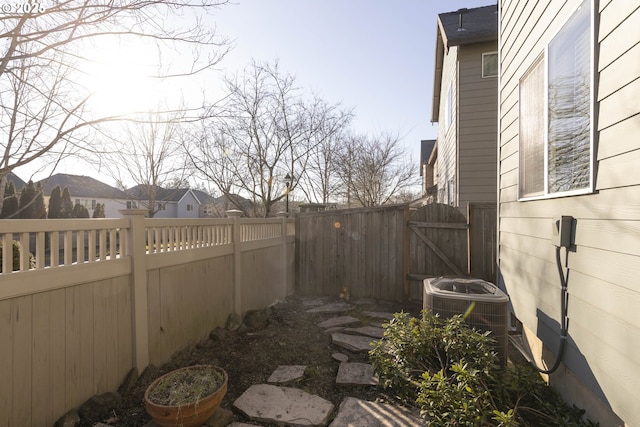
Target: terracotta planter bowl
(188, 414)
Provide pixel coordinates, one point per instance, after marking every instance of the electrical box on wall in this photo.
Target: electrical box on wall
(562, 231)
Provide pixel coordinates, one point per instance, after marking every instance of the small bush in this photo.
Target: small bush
(16, 257)
(452, 374)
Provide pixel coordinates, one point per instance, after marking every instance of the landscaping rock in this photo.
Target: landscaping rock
(129, 382)
(378, 314)
(336, 307)
(340, 357)
(70, 419)
(283, 405)
(370, 331)
(287, 373)
(361, 413)
(99, 405)
(150, 373)
(355, 343)
(256, 319)
(338, 321)
(356, 374)
(219, 334)
(234, 321)
(221, 418)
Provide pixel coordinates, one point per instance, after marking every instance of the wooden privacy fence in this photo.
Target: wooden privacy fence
(360, 250)
(385, 252)
(123, 293)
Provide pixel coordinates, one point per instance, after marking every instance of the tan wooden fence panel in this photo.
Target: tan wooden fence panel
(385, 252)
(361, 251)
(437, 244)
(70, 329)
(482, 240)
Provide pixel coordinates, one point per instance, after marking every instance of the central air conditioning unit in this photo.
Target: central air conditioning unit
(450, 296)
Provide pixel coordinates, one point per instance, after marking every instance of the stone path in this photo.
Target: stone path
(288, 406)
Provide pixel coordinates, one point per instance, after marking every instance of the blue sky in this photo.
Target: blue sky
(375, 56)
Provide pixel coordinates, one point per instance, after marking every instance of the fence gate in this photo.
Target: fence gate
(437, 245)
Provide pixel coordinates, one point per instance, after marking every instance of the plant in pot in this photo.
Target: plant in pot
(186, 397)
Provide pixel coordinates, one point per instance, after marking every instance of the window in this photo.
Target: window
(189, 207)
(555, 114)
(490, 64)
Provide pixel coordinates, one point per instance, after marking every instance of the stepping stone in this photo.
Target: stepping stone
(355, 343)
(283, 406)
(365, 301)
(361, 413)
(379, 314)
(335, 307)
(287, 373)
(370, 331)
(314, 302)
(356, 374)
(338, 321)
(340, 357)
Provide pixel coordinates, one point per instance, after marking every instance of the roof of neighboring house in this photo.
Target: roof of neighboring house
(17, 182)
(140, 192)
(81, 186)
(204, 198)
(426, 148)
(479, 24)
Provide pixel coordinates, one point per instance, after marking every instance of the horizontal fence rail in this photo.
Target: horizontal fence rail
(170, 235)
(57, 242)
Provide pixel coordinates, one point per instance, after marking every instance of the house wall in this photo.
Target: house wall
(601, 369)
(477, 127)
(447, 137)
(170, 211)
(188, 200)
(111, 206)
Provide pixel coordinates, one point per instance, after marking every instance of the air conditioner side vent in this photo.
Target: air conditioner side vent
(448, 297)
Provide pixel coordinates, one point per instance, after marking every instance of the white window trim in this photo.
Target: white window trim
(482, 65)
(590, 188)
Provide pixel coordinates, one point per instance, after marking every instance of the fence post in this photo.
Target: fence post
(284, 254)
(237, 264)
(136, 248)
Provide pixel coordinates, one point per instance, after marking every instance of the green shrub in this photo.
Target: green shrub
(452, 374)
(16, 257)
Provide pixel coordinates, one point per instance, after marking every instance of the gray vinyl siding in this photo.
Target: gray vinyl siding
(478, 113)
(601, 366)
(447, 148)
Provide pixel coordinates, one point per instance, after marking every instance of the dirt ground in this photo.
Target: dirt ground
(290, 337)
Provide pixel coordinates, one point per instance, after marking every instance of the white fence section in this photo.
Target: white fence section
(99, 297)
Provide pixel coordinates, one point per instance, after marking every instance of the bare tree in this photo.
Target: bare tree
(43, 47)
(320, 181)
(374, 169)
(268, 130)
(148, 153)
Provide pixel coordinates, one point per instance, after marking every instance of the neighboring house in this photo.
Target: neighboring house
(88, 192)
(207, 203)
(569, 145)
(170, 202)
(428, 155)
(465, 106)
